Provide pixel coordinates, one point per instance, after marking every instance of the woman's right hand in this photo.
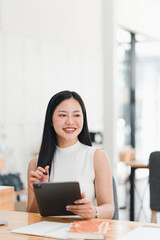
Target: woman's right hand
(39, 175)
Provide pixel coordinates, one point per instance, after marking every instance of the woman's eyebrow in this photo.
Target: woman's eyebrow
(62, 111)
(73, 111)
(76, 111)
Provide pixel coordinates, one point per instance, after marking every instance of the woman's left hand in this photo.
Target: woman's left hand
(83, 207)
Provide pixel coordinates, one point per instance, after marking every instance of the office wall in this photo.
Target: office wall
(46, 46)
(140, 16)
(50, 45)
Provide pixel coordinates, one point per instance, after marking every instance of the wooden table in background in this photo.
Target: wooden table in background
(6, 198)
(2, 163)
(134, 165)
(20, 219)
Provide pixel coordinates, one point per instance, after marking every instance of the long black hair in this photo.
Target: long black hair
(49, 139)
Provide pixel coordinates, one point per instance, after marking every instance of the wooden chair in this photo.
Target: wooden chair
(154, 184)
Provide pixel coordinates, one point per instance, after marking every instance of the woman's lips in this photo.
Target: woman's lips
(69, 130)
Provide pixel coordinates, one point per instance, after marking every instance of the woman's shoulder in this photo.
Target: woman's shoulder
(100, 156)
(100, 152)
(96, 151)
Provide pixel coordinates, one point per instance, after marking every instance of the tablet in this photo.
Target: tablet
(52, 198)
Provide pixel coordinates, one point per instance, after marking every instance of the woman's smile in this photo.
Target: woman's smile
(69, 129)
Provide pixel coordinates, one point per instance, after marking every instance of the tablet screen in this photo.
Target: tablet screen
(52, 198)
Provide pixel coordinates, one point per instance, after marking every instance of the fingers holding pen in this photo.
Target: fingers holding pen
(43, 171)
(46, 174)
(39, 175)
(46, 170)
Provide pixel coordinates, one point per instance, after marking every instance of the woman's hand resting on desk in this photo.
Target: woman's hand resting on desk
(39, 175)
(84, 208)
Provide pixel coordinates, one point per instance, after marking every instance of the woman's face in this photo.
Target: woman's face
(67, 121)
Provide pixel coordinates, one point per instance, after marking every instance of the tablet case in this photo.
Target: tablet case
(52, 198)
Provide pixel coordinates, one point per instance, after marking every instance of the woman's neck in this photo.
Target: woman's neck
(65, 144)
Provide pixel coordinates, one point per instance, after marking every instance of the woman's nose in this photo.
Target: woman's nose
(69, 120)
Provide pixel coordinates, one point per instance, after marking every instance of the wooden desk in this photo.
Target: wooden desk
(134, 165)
(20, 219)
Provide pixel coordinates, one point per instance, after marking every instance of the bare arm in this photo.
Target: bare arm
(34, 175)
(103, 185)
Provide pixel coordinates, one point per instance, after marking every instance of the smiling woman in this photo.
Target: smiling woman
(66, 154)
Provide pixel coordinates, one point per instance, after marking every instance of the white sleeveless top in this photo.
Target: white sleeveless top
(75, 163)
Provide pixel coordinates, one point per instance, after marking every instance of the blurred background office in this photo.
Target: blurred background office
(106, 50)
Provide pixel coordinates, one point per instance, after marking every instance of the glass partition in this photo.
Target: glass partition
(146, 78)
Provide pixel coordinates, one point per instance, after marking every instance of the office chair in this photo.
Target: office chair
(116, 211)
(154, 183)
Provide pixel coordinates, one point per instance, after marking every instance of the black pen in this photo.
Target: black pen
(45, 173)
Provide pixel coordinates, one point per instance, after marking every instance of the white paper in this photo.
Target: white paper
(140, 233)
(46, 229)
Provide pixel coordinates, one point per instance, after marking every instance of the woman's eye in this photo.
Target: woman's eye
(62, 115)
(77, 115)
